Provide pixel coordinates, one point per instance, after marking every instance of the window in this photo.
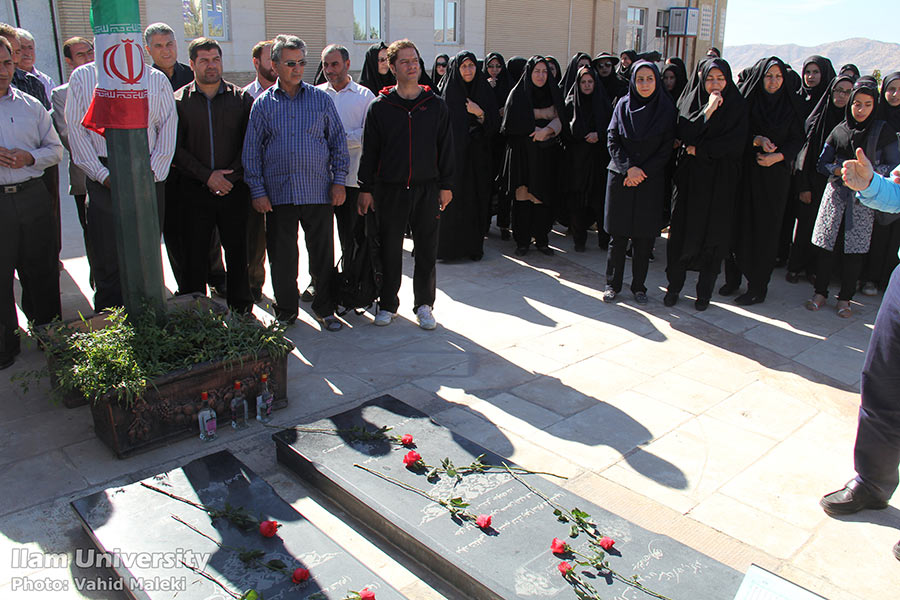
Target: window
(634, 28)
(662, 23)
(205, 18)
(366, 20)
(446, 21)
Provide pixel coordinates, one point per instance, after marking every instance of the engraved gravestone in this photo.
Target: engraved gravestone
(511, 560)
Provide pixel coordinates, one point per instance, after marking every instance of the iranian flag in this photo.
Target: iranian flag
(120, 98)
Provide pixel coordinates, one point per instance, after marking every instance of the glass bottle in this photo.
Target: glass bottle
(264, 400)
(207, 419)
(238, 408)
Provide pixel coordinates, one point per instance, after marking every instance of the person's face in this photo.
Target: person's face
(81, 54)
(605, 68)
(467, 70)
(812, 75)
(626, 61)
(291, 66)
(715, 81)
(583, 62)
(7, 68)
(163, 50)
(669, 80)
(552, 68)
(383, 65)
(494, 67)
(207, 66)
(586, 85)
(335, 67)
(862, 107)
(16, 49)
(842, 94)
(645, 82)
(263, 64)
(773, 79)
(539, 74)
(892, 93)
(441, 66)
(26, 58)
(406, 65)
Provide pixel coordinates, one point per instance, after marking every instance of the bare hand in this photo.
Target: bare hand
(474, 109)
(765, 143)
(806, 197)
(767, 160)
(634, 176)
(15, 158)
(692, 150)
(896, 176)
(106, 182)
(218, 184)
(592, 138)
(444, 198)
(715, 101)
(858, 173)
(338, 194)
(262, 204)
(364, 202)
(541, 133)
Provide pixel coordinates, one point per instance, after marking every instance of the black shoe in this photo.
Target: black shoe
(640, 297)
(545, 250)
(749, 299)
(897, 550)
(670, 299)
(504, 234)
(521, 250)
(579, 248)
(727, 289)
(792, 277)
(308, 294)
(701, 304)
(256, 295)
(850, 499)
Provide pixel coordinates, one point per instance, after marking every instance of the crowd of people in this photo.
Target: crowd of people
(741, 172)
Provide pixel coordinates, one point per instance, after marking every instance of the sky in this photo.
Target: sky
(810, 22)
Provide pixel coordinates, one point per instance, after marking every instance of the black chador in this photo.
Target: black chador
(474, 119)
(812, 94)
(370, 77)
(579, 60)
(706, 181)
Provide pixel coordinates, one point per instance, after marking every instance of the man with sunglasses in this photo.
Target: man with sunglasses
(296, 162)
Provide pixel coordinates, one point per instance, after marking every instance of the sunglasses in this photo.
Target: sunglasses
(440, 64)
(290, 64)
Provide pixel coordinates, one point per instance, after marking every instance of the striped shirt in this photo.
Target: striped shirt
(88, 146)
(295, 148)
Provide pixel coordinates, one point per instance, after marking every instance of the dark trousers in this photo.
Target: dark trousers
(581, 218)
(803, 254)
(51, 180)
(640, 262)
(418, 207)
(102, 231)
(851, 267)
(256, 248)
(876, 455)
(706, 281)
(205, 214)
(346, 215)
(27, 246)
(531, 220)
(81, 209)
(317, 221)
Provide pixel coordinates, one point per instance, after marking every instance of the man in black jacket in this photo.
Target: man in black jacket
(406, 176)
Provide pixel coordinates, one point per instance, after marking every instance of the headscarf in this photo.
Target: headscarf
(572, 71)
(319, 79)
(559, 73)
(518, 116)
(370, 77)
(623, 73)
(611, 83)
(589, 112)
(886, 112)
(853, 68)
(866, 80)
(435, 77)
(455, 92)
(770, 114)
(515, 67)
(680, 80)
(424, 79)
(692, 125)
(812, 95)
(638, 118)
(820, 122)
(504, 85)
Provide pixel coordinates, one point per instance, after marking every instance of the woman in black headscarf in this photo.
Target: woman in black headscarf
(605, 66)
(843, 223)
(712, 127)
(850, 70)
(515, 66)
(474, 119)
(640, 137)
(827, 114)
(581, 59)
(555, 70)
(818, 73)
(588, 113)
(497, 76)
(674, 80)
(376, 72)
(439, 68)
(532, 123)
(776, 136)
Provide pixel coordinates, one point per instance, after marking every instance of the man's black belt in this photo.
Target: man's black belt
(15, 188)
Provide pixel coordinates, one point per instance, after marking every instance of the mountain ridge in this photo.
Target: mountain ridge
(865, 53)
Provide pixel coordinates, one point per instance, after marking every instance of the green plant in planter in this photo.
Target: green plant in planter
(124, 355)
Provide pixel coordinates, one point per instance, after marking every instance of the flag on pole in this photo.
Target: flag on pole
(120, 98)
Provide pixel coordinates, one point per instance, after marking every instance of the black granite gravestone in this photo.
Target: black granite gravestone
(513, 559)
(146, 545)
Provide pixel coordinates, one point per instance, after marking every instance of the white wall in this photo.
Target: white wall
(36, 17)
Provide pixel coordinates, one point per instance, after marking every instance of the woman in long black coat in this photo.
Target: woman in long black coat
(712, 127)
(776, 136)
(498, 77)
(588, 112)
(532, 124)
(474, 119)
(639, 137)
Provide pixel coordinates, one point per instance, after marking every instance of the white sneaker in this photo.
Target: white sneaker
(384, 317)
(426, 319)
(869, 289)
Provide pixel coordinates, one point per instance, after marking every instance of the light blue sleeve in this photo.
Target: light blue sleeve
(882, 194)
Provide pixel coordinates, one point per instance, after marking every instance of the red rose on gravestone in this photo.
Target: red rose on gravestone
(606, 542)
(269, 528)
(557, 546)
(300, 575)
(564, 568)
(483, 521)
(366, 594)
(406, 440)
(412, 457)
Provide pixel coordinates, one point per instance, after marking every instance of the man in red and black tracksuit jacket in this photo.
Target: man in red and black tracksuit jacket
(406, 175)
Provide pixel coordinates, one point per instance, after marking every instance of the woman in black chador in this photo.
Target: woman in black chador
(376, 72)
(776, 135)
(474, 119)
(674, 78)
(712, 127)
(818, 73)
(640, 137)
(498, 77)
(439, 68)
(605, 65)
(582, 59)
(532, 124)
(827, 114)
(588, 112)
(843, 224)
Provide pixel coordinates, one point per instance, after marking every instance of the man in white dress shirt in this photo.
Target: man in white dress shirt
(89, 153)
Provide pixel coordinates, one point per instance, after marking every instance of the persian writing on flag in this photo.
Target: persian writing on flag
(120, 98)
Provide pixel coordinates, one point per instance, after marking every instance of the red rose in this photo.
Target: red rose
(411, 458)
(483, 521)
(300, 575)
(366, 594)
(564, 568)
(606, 542)
(406, 440)
(269, 528)
(557, 546)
